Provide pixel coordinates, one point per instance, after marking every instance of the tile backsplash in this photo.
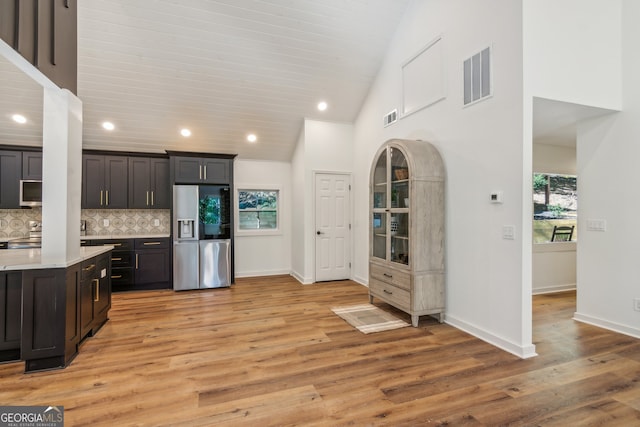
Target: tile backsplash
(15, 222)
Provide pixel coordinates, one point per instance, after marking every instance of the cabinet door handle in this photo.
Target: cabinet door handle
(388, 275)
(205, 172)
(91, 267)
(147, 198)
(116, 259)
(136, 261)
(152, 202)
(101, 197)
(106, 198)
(200, 176)
(151, 243)
(97, 296)
(119, 276)
(388, 292)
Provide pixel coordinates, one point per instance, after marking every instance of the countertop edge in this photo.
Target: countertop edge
(30, 259)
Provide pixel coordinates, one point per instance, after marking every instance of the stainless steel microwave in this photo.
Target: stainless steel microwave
(30, 192)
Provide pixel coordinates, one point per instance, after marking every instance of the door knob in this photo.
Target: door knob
(319, 232)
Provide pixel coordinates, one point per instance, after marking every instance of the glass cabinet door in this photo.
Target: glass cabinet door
(379, 238)
(380, 182)
(390, 214)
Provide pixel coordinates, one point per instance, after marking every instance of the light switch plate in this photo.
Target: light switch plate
(156, 223)
(596, 225)
(508, 232)
(105, 222)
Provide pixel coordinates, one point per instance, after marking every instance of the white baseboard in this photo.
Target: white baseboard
(524, 352)
(363, 281)
(554, 289)
(301, 279)
(261, 273)
(606, 324)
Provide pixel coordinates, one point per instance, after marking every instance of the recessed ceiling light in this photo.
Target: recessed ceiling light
(19, 118)
(322, 106)
(108, 126)
(185, 132)
(252, 137)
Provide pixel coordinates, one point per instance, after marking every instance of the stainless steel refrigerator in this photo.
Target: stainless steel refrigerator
(201, 237)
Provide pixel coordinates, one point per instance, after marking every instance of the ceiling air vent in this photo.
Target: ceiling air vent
(390, 117)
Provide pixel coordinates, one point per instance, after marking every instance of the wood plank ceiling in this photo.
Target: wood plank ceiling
(224, 69)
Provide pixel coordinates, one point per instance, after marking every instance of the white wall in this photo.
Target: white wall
(608, 152)
(487, 292)
(554, 159)
(268, 254)
(298, 269)
(322, 147)
(573, 50)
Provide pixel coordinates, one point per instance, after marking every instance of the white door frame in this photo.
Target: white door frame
(350, 207)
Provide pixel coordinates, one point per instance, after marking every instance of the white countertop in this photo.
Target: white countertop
(106, 236)
(124, 236)
(30, 259)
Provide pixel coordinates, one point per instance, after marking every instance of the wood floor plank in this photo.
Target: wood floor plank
(269, 351)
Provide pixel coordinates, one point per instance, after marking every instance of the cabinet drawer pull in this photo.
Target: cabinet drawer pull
(91, 267)
(388, 275)
(388, 292)
(116, 259)
(151, 243)
(136, 261)
(119, 276)
(97, 297)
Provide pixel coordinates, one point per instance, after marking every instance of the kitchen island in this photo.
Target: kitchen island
(47, 309)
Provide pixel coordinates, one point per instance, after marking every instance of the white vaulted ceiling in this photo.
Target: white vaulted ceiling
(225, 68)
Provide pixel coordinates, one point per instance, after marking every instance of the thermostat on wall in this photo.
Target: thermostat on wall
(496, 197)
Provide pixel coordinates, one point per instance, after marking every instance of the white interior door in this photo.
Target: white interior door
(333, 230)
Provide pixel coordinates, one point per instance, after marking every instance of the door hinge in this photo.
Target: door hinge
(349, 265)
(349, 187)
(349, 226)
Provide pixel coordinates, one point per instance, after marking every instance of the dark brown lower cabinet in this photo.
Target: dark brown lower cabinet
(139, 264)
(11, 302)
(152, 263)
(58, 311)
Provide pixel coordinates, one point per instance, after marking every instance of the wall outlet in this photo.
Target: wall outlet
(105, 222)
(636, 304)
(156, 223)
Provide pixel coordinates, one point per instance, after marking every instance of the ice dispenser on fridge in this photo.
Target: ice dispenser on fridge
(186, 229)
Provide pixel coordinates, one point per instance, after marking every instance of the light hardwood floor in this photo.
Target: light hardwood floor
(269, 351)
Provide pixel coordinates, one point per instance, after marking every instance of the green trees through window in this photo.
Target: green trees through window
(555, 203)
(258, 209)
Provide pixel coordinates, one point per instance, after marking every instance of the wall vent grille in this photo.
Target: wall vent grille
(390, 118)
(477, 77)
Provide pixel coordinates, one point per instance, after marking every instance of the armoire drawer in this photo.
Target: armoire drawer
(397, 278)
(397, 297)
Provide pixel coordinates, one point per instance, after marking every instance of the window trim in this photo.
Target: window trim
(256, 231)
